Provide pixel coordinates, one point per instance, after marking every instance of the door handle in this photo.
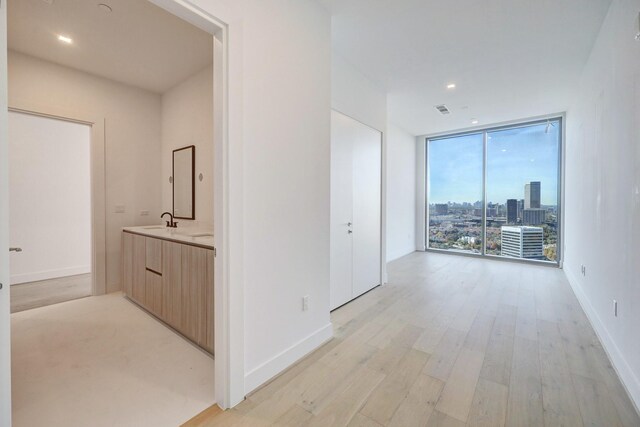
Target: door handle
(15, 249)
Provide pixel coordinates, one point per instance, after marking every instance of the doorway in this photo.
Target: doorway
(50, 210)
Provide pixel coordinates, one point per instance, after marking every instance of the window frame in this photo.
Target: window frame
(484, 131)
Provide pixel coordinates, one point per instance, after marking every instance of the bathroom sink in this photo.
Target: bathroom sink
(153, 227)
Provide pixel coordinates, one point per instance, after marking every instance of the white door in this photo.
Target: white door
(5, 316)
(356, 154)
(342, 135)
(49, 197)
(367, 161)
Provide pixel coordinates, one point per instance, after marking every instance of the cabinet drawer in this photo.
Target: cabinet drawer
(153, 293)
(138, 285)
(154, 255)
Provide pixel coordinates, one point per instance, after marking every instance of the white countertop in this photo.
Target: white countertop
(189, 235)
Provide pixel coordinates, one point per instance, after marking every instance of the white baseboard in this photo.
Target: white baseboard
(263, 373)
(625, 373)
(36, 276)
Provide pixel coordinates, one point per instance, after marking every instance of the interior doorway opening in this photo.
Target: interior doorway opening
(50, 210)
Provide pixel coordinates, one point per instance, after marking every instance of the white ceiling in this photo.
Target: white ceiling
(137, 43)
(510, 59)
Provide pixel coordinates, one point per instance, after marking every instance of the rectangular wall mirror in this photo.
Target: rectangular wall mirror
(184, 194)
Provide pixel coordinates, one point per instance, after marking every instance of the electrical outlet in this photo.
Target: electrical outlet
(120, 209)
(305, 303)
(144, 213)
(584, 270)
(615, 308)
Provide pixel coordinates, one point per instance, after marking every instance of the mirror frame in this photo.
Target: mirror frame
(193, 182)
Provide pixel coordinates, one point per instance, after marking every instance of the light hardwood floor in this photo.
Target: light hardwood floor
(450, 341)
(26, 296)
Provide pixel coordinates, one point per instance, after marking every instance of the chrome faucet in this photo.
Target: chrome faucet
(171, 223)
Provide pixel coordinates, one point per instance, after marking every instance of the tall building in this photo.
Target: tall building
(522, 242)
(512, 211)
(520, 209)
(442, 209)
(532, 195)
(534, 216)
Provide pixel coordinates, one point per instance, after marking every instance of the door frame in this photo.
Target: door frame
(226, 29)
(98, 196)
(5, 307)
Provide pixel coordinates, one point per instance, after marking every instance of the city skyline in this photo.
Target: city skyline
(515, 157)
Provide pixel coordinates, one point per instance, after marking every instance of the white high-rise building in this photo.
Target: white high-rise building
(522, 242)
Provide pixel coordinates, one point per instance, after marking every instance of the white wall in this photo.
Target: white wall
(187, 119)
(401, 192)
(602, 207)
(285, 116)
(132, 138)
(50, 197)
(356, 96)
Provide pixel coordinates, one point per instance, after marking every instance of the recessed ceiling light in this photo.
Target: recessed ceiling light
(65, 39)
(451, 86)
(105, 8)
(474, 121)
(504, 150)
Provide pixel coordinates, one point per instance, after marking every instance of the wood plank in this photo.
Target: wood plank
(360, 420)
(525, 389)
(559, 399)
(294, 417)
(345, 405)
(445, 354)
(596, 406)
(386, 398)
(204, 418)
(489, 407)
(385, 360)
(417, 407)
(480, 332)
(334, 379)
(459, 389)
(438, 419)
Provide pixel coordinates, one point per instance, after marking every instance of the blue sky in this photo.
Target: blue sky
(514, 158)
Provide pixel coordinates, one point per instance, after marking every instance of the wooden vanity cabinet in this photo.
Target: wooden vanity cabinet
(173, 281)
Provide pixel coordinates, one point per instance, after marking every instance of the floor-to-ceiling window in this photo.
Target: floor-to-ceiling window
(496, 191)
